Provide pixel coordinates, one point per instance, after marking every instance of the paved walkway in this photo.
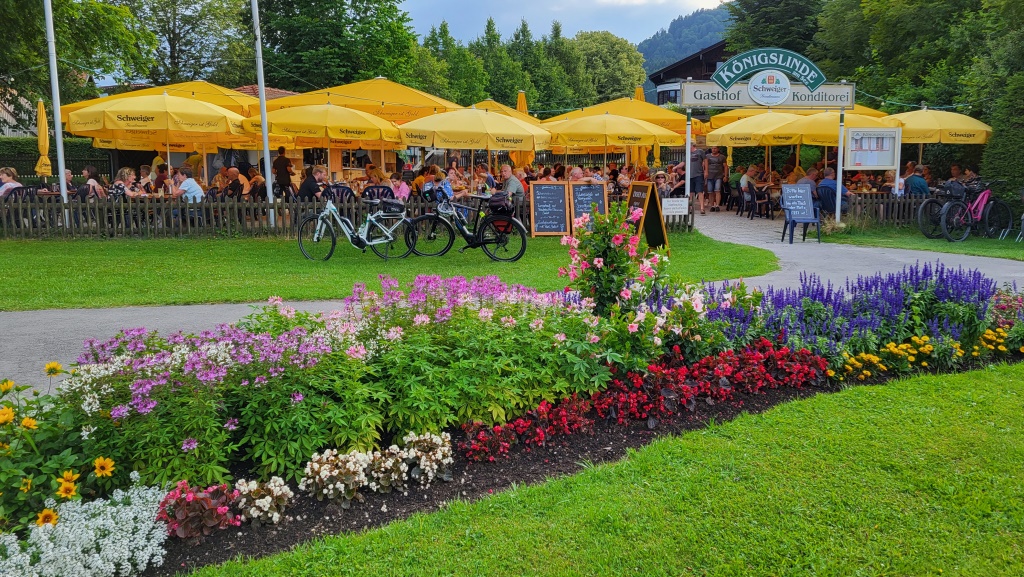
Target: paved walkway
(30, 339)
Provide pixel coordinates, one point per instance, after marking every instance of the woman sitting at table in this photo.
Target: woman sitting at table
(8, 181)
(546, 176)
(91, 189)
(456, 181)
(124, 185)
(436, 180)
(625, 177)
(399, 186)
(892, 184)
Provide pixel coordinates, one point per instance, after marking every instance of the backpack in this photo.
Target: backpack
(499, 203)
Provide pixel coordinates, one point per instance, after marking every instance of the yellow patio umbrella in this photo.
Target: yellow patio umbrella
(820, 129)
(638, 109)
(613, 130)
(748, 131)
(380, 97)
(141, 145)
(43, 167)
(162, 118)
(232, 100)
(639, 93)
(720, 120)
(520, 112)
(472, 128)
(930, 126)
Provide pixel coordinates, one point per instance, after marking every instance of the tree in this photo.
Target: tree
(322, 43)
(467, 80)
(1002, 155)
(614, 63)
(430, 74)
(192, 36)
(92, 38)
(789, 24)
(684, 36)
(506, 77)
(564, 53)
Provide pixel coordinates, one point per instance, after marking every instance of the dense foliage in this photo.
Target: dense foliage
(684, 35)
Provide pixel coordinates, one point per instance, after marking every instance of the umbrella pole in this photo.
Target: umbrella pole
(206, 167)
(797, 156)
(920, 152)
(839, 166)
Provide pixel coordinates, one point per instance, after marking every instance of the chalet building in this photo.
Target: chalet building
(698, 66)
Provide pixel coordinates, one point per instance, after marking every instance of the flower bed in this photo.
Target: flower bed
(362, 400)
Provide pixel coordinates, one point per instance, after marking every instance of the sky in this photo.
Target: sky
(634, 20)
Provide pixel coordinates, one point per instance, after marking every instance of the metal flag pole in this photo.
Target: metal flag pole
(839, 166)
(58, 130)
(688, 153)
(267, 165)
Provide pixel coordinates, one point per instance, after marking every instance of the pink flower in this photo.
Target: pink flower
(654, 259)
(626, 293)
(286, 312)
(584, 265)
(508, 321)
(274, 301)
(573, 273)
(598, 262)
(594, 338)
(633, 328)
(356, 351)
(636, 214)
(189, 497)
(537, 324)
(631, 251)
(421, 319)
(485, 314)
(634, 240)
(617, 239)
(566, 240)
(562, 271)
(394, 333)
(222, 510)
(560, 337)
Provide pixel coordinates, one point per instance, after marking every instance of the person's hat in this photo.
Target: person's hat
(660, 173)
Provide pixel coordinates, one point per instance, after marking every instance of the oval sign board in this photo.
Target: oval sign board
(769, 88)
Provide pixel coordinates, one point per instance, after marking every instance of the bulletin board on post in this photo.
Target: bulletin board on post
(583, 196)
(644, 195)
(549, 209)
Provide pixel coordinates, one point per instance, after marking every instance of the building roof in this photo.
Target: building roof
(717, 46)
(272, 93)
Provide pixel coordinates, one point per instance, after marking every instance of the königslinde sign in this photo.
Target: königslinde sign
(742, 65)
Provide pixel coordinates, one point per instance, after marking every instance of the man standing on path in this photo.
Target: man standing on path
(714, 168)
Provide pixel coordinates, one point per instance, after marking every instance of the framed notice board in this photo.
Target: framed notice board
(644, 195)
(549, 209)
(798, 201)
(583, 195)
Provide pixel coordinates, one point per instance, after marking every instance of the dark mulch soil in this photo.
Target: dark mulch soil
(309, 518)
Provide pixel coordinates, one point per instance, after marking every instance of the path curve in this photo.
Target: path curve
(30, 339)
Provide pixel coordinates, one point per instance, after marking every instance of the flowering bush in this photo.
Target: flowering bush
(488, 442)
(194, 513)
(115, 536)
(430, 457)
(263, 503)
(389, 469)
(336, 477)
(608, 261)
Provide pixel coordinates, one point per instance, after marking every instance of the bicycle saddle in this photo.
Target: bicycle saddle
(371, 201)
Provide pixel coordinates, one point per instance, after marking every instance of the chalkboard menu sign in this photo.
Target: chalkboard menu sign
(644, 196)
(583, 196)
(549, 208)
(797, 200)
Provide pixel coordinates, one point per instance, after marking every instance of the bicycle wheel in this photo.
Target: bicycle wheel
(434, 235)
(312, 245)
(503, 238)
(928, 218)
(996, 218)
(404, 237)
(956, 221)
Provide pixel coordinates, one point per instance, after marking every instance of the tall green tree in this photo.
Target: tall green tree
(565, 53)
(789, 24)
(430, 74)
(321, 43)
(615, 63)
(466, 78)
(547, 75)
(92, 38)
(505, 76)
(192, 37)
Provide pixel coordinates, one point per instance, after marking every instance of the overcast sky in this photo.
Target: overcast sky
(633, 20)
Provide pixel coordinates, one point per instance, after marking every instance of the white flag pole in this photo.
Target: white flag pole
(58, 130)
(267, 165)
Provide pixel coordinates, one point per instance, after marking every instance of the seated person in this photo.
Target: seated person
(310, 187)
(8, 181)
(399, 186)
(661, 181)
(417, 183)
(577, 175)
(915, 184)
(183, 185)
(483, 176)
(827, 186)
(161, 182)
(436, 179)
(511, 185)
(220, 181)
(238, 185)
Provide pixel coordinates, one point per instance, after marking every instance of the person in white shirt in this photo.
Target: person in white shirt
(184, 185)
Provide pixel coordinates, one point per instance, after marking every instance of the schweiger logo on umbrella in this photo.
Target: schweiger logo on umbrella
(628, 138)
(196, 124)
(135, 118)
(416, 135)
(509, 139)
(962, 134)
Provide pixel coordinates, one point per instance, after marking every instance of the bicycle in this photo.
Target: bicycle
(993, 215)
(928, 213)
(381, 231)
(501, 236)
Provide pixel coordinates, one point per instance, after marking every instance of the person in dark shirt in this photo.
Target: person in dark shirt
(161, 178)
(310, 188)
(915, 184)
(282, 169)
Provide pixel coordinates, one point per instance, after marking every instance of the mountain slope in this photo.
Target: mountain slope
(684, 36)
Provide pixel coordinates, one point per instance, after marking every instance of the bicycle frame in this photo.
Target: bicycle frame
(330, 213)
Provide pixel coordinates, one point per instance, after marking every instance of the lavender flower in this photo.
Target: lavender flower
(189, 444)
(297, 398)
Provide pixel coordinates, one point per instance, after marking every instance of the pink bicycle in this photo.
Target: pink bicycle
(989, 216)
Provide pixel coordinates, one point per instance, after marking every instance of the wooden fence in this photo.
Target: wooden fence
(884, 209)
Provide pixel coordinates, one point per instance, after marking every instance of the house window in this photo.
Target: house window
(668, 97)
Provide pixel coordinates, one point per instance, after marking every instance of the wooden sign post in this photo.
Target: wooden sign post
(644, 195)
(549, 209)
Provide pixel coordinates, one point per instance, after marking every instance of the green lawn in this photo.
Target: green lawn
(87, 273)
(920, 477)
(911, 238)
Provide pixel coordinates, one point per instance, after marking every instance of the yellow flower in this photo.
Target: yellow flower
(974, 354)
(926, 338)
(860, 377)
(6, 385)
(26, 485)
(924, 363)
(867, 373)
(69, 476)
(47, 517)
(910, 358)
(28, 423)
(104, 466)
(4, 447)
(67, 490)
(1002, 348)
(53, 368)
(6, 415)
(1022, 349)
(830, 373)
